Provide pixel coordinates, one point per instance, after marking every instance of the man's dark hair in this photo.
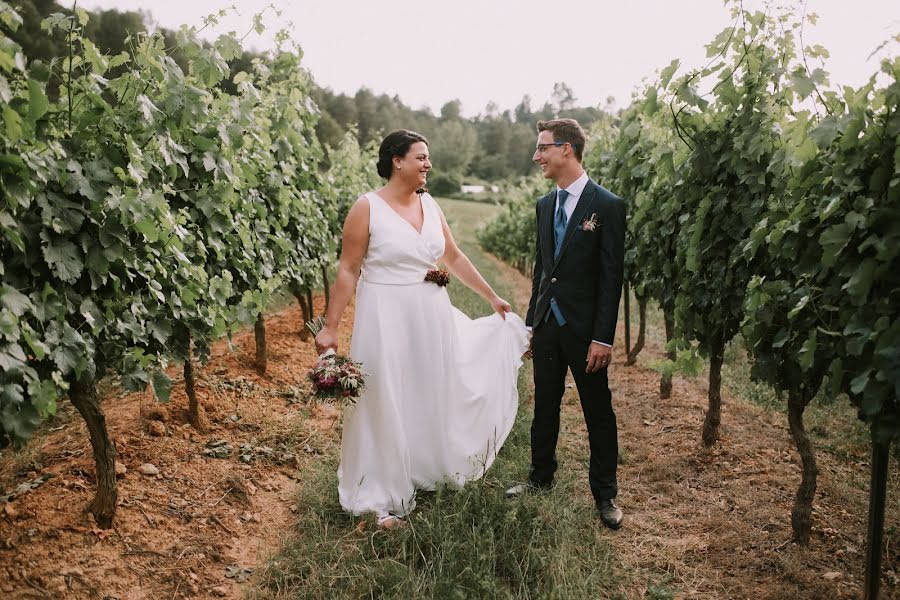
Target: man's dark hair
(565, 130)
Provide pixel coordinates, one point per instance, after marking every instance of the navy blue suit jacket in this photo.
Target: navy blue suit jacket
(586, 278)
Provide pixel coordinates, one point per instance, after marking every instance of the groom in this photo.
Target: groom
(577, 282)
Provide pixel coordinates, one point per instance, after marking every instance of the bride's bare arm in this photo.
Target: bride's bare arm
(354, 243)
(463, 269)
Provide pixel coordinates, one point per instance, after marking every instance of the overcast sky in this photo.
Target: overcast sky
(499, 50)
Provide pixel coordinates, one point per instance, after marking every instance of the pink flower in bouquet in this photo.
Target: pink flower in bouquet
(335, 376)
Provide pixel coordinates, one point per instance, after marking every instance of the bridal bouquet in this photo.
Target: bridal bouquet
(333, 375)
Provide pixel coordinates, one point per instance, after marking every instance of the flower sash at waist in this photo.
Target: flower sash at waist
(435, 276)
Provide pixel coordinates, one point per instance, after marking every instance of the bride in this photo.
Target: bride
(440, 396)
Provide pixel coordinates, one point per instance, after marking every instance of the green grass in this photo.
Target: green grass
(471, 543)
(464, 218)
(831, 422)
(736, 379)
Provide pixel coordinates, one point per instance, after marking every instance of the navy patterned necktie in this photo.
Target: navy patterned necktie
(559, 230)
(560, 221)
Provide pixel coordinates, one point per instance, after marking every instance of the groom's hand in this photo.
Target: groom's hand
(598, 357)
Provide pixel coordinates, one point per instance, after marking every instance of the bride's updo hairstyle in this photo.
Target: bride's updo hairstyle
(396, 143)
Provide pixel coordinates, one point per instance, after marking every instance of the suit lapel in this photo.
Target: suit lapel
(577, 217)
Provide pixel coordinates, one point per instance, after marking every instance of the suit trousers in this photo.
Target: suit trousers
(556, 350)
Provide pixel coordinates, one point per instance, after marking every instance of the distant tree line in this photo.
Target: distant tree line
(492, 147)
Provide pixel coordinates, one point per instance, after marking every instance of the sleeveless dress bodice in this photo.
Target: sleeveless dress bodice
(397, 253)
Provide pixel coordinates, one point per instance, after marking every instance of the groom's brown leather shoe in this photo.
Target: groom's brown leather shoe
(610, 514)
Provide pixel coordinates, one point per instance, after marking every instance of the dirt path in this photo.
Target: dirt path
(217, 507)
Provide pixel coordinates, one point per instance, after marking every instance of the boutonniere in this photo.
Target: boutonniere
(438, 276)
(591, 224)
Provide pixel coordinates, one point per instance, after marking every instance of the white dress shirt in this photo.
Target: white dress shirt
(575, 190)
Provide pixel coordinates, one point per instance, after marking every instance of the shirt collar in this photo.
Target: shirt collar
(577, 186)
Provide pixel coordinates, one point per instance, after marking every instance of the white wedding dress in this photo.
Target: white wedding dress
(440, 395)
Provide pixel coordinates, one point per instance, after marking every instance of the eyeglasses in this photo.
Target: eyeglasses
(543, 147)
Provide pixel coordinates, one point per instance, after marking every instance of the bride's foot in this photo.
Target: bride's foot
(391, 522)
